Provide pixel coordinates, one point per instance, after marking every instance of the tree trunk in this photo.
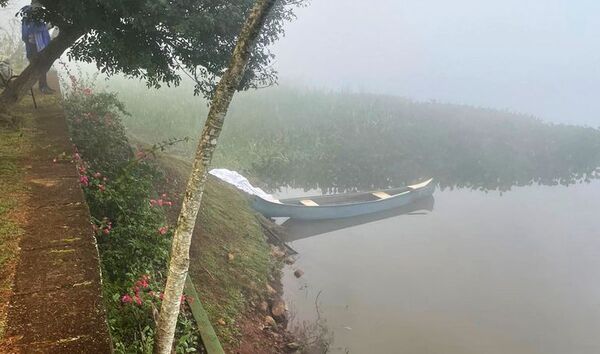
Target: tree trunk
(38, 66)
(179, 263)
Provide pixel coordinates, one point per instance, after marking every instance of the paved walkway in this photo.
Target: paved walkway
(56, 306)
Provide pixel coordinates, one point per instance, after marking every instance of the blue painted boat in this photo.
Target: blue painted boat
(343, 205)
(299, 229)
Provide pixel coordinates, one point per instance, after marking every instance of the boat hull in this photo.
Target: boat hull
(321, 212)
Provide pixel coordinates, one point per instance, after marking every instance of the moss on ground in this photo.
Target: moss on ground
(230, 258)
(15, 145)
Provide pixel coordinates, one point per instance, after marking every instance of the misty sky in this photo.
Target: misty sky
(540, 57)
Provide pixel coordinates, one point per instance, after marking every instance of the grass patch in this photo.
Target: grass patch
(230, 258)
(15, 145)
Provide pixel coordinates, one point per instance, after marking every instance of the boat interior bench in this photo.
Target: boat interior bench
(348, 198)
(381, 195)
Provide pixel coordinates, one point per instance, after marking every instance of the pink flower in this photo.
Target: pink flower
(87, 91)
(140, 154)
(143, 282)
(160, 202)
(97, 175)
(126, 299)
(163, 230)
(84, 181)
(76, 156)
(138, 300)
(106, 231)
(101, 187)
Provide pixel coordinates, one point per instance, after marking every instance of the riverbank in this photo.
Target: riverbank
(133, 194)
(236, 271)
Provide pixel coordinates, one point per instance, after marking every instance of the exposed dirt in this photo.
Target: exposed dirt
(56, 304)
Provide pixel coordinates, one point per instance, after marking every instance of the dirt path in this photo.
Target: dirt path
(56, 303)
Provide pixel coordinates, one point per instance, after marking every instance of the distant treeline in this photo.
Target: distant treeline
(343, 141)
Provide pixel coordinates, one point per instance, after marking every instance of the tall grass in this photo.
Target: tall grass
(340, 141)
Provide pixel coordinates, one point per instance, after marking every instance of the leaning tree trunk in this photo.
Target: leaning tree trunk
(38, 66)
(179, 263)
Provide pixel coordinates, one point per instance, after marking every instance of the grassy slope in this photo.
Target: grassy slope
(230, 259)
(14, 146)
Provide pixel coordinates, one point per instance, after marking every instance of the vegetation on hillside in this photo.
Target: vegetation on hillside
(343, 141)
(134, 198)
(231, 261)
(128, 216)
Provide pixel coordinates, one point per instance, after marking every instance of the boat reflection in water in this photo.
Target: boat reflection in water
(298, 229)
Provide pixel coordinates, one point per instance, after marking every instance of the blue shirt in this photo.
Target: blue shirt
(36, 30)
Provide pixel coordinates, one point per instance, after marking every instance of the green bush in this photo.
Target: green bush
(128, 216)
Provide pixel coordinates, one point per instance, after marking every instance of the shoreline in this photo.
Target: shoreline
(256, 321)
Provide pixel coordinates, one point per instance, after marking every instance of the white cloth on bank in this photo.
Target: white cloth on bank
(241, 183)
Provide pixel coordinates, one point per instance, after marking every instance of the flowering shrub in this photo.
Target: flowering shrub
(132, 316)
(96, 128)
(121, 193)
(128, 217)
(142, 292)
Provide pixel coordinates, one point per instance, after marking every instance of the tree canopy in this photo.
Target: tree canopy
(154, 39)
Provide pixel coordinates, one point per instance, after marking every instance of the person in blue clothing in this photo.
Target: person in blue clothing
(36, 37)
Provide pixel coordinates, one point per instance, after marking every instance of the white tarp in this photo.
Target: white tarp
(241, 183)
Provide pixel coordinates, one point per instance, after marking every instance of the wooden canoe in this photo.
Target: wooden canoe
(343, 205)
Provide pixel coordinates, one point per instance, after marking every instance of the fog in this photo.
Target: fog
(539, 57)
(425, 199)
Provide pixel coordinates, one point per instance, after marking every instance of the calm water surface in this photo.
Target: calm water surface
(480, 273)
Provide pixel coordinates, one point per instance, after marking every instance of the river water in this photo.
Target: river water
(469, 272)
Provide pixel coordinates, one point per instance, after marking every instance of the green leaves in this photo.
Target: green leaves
(156, 39)
(118, 189)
